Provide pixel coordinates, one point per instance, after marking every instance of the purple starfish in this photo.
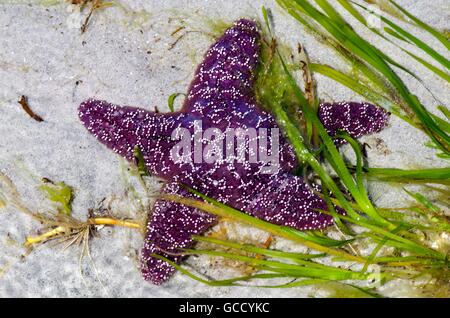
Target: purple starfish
(221, 96)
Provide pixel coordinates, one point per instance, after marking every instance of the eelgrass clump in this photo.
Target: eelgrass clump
(374, 67)
(399, 249)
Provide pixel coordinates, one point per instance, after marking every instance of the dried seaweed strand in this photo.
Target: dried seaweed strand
(26, 107)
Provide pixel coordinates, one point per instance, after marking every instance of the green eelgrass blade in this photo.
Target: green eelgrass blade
(266, 18)
(434, 259)
(142, 169)
(348, 6)
(431, 67)
(438, 35)
(445, 125)
(353, 84)
(341, 288)
(341, 226)
(344, 26)
(297, 283)
(437, 175)
(359, 162)
(324, 241)
(361, 67)
(445, 111)
(305, 156)
(234, 281)
(292, 8)
(258, 250)
(377, 249)
(311, 271)
(171, 100)
(225, 282)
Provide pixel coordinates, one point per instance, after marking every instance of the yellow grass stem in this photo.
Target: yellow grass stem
(31, 240)
(46, 236)
(114, 222)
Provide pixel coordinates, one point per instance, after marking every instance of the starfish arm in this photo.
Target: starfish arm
(224, 80)
(123, 128)
(169, 230)
(357, 119)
